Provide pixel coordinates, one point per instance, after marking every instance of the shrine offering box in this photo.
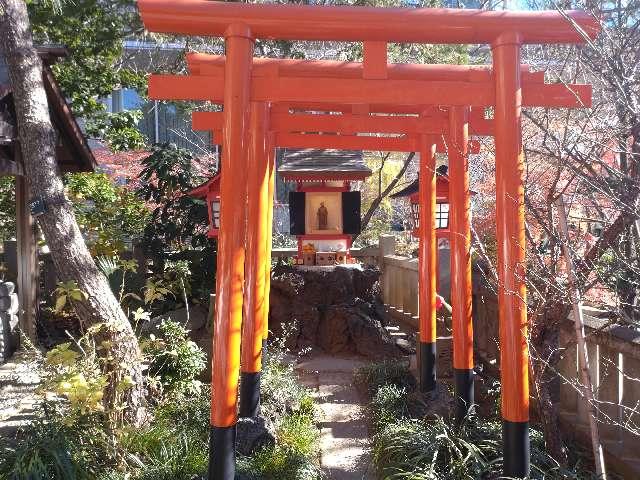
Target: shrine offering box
(341, 257)
(325, 258)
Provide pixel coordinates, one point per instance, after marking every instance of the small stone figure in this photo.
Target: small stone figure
(323, 215)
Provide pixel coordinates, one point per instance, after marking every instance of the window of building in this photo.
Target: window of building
(442, 215)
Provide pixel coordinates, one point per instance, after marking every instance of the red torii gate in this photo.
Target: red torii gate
(506, 31)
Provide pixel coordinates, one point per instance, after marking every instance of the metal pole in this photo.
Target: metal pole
(460, 235)
(427, 263)
(231, 255)
(255, 262)
(510, 218)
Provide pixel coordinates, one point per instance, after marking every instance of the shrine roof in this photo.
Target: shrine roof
(210, 186)
(72, 152)
(325, 164)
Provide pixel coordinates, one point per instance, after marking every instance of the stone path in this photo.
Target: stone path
(343, 430)
(19, 380)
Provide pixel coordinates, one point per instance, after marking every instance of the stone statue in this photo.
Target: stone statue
(323, 215)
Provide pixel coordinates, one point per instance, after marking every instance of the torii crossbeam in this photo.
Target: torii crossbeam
(243, 94)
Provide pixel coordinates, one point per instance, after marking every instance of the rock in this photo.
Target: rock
(336, 309)
(405, 346)
(9, 304)
(197, 319)
(6, 289)
(253, 434)
(437, 403)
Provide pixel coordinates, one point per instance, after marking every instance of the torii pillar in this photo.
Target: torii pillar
(510, 226)
(231, 253)
(460, 238)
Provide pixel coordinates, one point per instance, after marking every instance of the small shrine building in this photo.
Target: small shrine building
(324, 208)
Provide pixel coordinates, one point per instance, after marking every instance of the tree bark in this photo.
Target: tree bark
(68, 250)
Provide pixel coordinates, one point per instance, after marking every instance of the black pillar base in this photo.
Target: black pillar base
(515, 448)
(222, 453)
(249, 394)
(464, 393)
(427, 367)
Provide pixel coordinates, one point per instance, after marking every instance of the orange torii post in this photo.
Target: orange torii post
(504, 31)
(460, 238)
(231, 254)
(259, 179)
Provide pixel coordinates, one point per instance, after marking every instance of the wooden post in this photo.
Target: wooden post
(583, 354)
(460, 261)
(427, 264)
(255, 262)
(510, 224)
(225, 369)
(27, 260)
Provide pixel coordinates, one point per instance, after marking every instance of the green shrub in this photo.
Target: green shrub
(388, 405)
(289, 406)
(293, 457)
(430, 450)
(390, 372)
(280, 391)
(299, 434)
(174, 359)
(406, 446)
(52, 448)
(175, 444)
(279, 463)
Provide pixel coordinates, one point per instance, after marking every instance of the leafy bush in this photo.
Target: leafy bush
(174, 359)
(388, 404)
(405, 445)
(179, 223)
(294, 456)
(289, 406)
(390, 372)
(54, 448)
(106, 213)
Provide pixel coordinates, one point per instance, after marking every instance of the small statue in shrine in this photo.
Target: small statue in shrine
(323, 215)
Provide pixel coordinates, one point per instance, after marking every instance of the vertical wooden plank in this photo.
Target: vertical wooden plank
(567, 367)
(27, 281)
(609, 393)
(631, 400)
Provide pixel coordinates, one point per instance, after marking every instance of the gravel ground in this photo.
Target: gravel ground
(19, 380)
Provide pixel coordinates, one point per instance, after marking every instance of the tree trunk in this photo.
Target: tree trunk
(384, 194)
(68, 250)
(545, 355)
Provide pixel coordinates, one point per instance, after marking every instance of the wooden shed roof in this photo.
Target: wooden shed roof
(327, 164)
(72, 152)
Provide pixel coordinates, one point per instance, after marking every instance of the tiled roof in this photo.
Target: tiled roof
(317, 161)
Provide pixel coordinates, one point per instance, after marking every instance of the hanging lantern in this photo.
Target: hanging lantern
(210, 192)
(442, 210)
(442, 203)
